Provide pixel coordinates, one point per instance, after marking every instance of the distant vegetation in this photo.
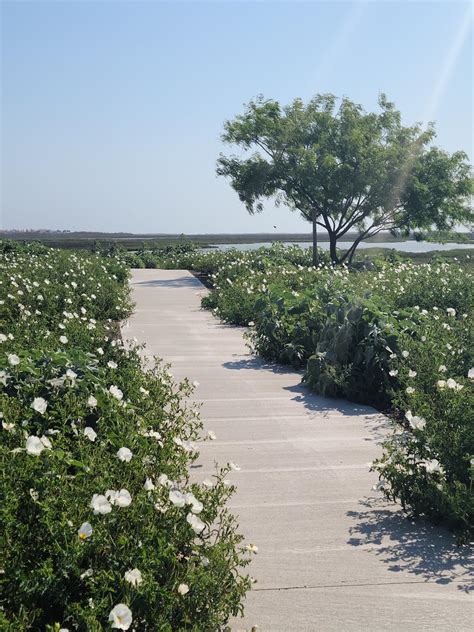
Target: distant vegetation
(129, 241)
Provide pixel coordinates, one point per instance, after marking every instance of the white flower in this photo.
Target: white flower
(432, 466)
(121, 617)
(34, 494)
(100, 351)
(453, 384)
(441, 383)
(177, 498)
(13, 359)
(46, 442)
(88, 573)
(442, 369)
(39, 404)
(92, 402)
(125, 454)
(163, 479)
(411, 373)
(34, 445)
(110, 494)
(470, 374)
(57, 382)
(405, 354)
(417, 423)
(211, 435)
(134, 577)
(63, 339)
(144, 391)
(409, 390)
(111, 364)
(451, 311)
(70, 374)
(154, 434)
(183, 589)
(84, 531)
(253, 548)
(3, 338)
(7, 426)
(90, 433)
(116, 392)
(197, 506)
(393, 373)
(149, 486)
(196, 523)
(100, 504)
(122, 498)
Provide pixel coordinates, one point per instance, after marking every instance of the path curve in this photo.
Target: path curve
(332, 554)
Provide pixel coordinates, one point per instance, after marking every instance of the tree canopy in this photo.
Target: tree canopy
(344, 169)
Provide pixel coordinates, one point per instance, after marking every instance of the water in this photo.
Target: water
(402, 246)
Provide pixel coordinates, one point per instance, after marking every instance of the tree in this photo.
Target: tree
(345, 169)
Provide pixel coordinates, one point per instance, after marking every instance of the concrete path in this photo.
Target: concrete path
(332, 555)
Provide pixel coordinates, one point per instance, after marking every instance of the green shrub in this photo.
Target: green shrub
(286, 330)
(352, 354)
(428, 462)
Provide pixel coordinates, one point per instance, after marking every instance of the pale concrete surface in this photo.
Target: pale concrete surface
(332, 554)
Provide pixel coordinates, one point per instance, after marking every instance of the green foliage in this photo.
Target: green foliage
(287, 328)
(428, 463)
(81, 418)
(351, 358)
(345, 169)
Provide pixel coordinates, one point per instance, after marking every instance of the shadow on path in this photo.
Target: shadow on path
(177, 283)
(375, 422)
(258, 364)
(318, 403)
(302, 394)
(411, 544)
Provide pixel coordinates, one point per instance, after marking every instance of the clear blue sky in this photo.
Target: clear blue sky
(112, 111)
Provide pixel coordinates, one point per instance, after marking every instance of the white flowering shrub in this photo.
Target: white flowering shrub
(428, 463)
(102, 527)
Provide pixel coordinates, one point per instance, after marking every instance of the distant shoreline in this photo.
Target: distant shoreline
(130, 241)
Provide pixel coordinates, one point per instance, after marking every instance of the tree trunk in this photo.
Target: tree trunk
(332, 247)
(349, 254)
(315, 239)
